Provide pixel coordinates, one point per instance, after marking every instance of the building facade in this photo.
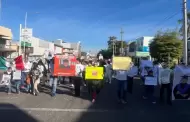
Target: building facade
(139, 48)
(69, 48)
(5, 42)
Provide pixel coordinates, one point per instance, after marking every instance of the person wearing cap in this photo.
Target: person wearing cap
(182, 90)
(164, 82)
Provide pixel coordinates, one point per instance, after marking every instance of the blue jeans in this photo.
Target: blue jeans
(28, 87)
(17, 85)
(53, 84)
(23, 77)
(122, 89)
(149, 92)
(9, 87)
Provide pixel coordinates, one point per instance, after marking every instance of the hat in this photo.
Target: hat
(185, 77)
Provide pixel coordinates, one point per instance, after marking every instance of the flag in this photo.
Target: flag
(18, 62)
(4, 63)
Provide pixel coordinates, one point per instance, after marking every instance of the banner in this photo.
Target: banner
(121, 63)
(64, 65)
(181, 83)
(94, 73)
(5, 80)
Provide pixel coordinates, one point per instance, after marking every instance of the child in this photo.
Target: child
(10, 73)
(150, 83)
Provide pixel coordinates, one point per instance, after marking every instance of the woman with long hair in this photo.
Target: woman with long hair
(35, 74)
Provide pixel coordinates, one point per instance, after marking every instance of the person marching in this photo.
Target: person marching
(121, 78)
(133, 71)
(165, 83)
(108, 72)
(150, 83)
(78, 78)
(94, 86)
(53, 79)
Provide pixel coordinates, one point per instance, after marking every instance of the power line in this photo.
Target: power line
(111, 15)
(164, 20)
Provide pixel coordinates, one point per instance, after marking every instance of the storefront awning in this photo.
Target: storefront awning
(5, 33)
(7, 50)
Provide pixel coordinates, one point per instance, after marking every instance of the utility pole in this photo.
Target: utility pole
(25, 38)
(113, 47)
(122, 46)
(0, 10)
(185, 55)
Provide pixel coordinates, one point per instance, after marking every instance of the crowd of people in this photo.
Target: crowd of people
(39, 73)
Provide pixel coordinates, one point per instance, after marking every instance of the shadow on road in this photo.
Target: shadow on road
(106, 108)
(11, 113)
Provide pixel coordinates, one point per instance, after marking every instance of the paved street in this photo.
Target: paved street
(67, 108)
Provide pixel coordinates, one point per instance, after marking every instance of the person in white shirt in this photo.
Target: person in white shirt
(24, 73)
(108, 72)
(78, 78)
(164, 82)
(130, 75)
(121, 77)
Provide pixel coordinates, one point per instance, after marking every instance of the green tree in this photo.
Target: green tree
(117, 44)
(106, 53)
(166, 46)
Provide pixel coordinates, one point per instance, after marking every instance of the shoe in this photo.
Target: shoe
(123, 102)
(154, 102)
(93, 100)
(18, 92)
(53, 95)
(9, 93)
(144, 97)
(72, 85)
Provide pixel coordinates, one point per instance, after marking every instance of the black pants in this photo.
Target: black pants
(130, 84)
(168, 90)
(77, 84)
(83, 76)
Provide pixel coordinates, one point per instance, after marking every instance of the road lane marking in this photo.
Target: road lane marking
(2, 98)
(56, 109)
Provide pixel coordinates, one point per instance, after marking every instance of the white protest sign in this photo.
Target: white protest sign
(17, 75)
(151, 81)
(5, 80)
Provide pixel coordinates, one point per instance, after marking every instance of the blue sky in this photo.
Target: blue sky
(91, 21)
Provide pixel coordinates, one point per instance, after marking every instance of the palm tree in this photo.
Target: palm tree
(188, 25)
